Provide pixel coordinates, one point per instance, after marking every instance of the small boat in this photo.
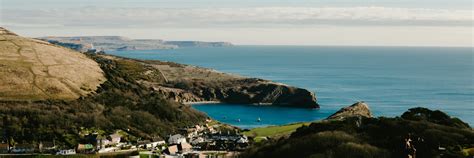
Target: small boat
(259, 120)
(238, 120)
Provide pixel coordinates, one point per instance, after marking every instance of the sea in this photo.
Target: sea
(389, 79)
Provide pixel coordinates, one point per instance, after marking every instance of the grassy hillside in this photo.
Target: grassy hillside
(273, 132)
(432, 134)
(33, 70)
(120, 103)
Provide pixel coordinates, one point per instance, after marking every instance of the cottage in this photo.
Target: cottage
(242, 140)
(101, 143)
(46, 146)
(185, 147)
(23, 148)
(172, 150)
(115, 138)
(85, 148)
(149, 144)
(197, 140)
(176, 139)
(4, 147)
(66, 152)
(156, 143)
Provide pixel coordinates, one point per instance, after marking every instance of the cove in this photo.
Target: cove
(269, 115)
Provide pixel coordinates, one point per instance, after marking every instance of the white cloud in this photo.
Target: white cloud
(236, 17)
(257, 25)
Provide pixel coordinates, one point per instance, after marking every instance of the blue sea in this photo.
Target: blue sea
(390, 79)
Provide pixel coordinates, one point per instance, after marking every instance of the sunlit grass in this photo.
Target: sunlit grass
(273, 131)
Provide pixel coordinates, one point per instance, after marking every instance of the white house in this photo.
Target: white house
(176, 139)
(115, 138)
(197, 140)
(66, 152)
(242, 140)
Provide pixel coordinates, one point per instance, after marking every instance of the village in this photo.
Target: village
(208, 140)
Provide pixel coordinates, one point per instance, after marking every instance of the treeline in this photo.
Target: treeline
(119, 104)
(430, 133)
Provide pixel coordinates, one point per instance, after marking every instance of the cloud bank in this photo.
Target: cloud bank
(235, 17)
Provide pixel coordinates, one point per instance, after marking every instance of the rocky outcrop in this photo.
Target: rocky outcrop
(114, 43)
(355, 110)
(255, 91)
(36, 70)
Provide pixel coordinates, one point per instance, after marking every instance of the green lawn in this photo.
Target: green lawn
(273, 131)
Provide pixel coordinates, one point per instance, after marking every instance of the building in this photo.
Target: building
(46, 146)
(242, 140)
(4, 147)
(185, 147)
(176, 139)
(66, 152)
(197, 140)
(149, 144)
(23, 148)
(115, 138)
(172, 150)
(85, 148)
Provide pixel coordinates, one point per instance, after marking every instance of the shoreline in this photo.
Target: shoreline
(202, 102)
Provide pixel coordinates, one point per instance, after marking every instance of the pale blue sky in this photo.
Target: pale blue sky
(278, 22)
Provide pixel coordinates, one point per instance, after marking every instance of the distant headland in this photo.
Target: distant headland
(117, 43)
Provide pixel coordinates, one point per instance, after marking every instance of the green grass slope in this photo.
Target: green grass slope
(430, 132)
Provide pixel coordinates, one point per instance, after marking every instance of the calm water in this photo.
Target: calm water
(389, 79)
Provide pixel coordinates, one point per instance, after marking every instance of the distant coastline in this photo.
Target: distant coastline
(119, 43)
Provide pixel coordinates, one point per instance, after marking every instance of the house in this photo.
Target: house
(23, 148)
(112, 139)
(149, 144)
(156, 143)
(66, 152)
(46, 146)
(197, 140)
(176, 139)
(242, 140)
(4, 147)
(185, 147)
(85, 148)
(101, 143)
(198, 128)
(172, 150)
(115, 138)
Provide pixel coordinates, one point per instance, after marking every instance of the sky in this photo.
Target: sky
(251, 22)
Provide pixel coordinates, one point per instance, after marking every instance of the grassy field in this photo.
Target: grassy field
(468, 152)
(273, 131)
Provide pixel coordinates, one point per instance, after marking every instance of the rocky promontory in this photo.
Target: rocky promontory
(355, 110)
(188, 84)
